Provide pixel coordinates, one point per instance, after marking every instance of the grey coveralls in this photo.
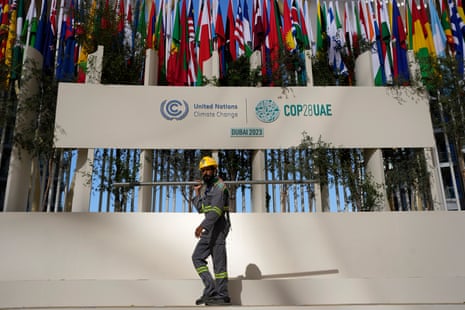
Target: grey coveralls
(213, 202)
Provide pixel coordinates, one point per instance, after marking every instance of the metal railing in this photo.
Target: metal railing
(281, 195)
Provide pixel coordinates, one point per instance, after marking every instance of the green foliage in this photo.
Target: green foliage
(116, 166)
(446, 89)
(341, 167)
(35, 116)
(407, 173)
(239, 74)
(121, 63)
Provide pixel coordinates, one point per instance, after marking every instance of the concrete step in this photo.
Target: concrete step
(326, 293)
(235, 307)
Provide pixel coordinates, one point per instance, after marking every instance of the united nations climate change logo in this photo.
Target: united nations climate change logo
(267, 111)
(174, 109)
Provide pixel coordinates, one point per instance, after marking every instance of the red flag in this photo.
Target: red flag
(257, 27)
(205, 36)
(274, 33)
(104, 22)
(191, 55)
(230, 41)
(287, 35)
(150, 43)
(160, 45)
(221, 42)
(177, 63)
(265, 58)
(121, 16)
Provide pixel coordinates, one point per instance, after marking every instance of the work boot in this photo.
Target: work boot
(202, 300)
(217, 301)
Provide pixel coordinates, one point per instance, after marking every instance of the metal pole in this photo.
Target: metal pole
(176, 183)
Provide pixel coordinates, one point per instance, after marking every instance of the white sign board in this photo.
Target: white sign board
(158, 117)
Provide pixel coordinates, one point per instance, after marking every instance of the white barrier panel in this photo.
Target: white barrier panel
(156, 117)
(77, 246)
(72, 260)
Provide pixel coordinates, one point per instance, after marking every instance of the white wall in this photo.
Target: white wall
(144, 259)
(37, 246)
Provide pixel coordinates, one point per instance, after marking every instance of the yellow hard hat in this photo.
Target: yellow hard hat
(207, 161)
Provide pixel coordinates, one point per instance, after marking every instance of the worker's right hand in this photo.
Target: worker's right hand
(197, 188)
(198, 231)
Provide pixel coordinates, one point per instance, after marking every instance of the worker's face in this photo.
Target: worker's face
(208, 173)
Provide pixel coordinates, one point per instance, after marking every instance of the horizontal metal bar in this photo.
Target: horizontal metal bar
(186, 183)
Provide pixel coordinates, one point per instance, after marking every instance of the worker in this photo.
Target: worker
(212, 199)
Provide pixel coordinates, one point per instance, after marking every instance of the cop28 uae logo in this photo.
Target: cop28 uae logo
(174, 109)
(267, 111)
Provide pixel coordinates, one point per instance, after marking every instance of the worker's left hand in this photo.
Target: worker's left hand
(198, 231)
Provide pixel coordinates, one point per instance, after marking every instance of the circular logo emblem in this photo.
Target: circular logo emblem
(174, 109)
(267, 111)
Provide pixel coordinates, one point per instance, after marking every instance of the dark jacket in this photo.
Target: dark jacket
(213, 202)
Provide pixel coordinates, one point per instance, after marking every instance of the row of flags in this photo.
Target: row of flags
(186, 38)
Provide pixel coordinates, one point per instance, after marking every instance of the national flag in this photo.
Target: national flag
(445, 22)
(5, 21)
(135, 21)
(104, 22)
(213, 13)
(457, 26)
(50, 42)
(151, 26)
(41, 28)
(65, 58)
(229, 33)
(246, 30)
(273, 40)
(83, 52)
(205, 37)
(258, 30)
(239, 31)
(266, 57)
(287, 33)
(10, 42)
(17, 57)
(439, 37)
(358, 27)
(370, 20)
(311, 40)
(339, 26)
(19, 27)
(362, 19)
(192, 55)
(426, 27)
(275, 36)
(349, 33)
(160, 44)
(183, 63)
(321, 34)
(141, 31)
(120, 17)
(386, 41)
(399, 37)
(335, 46)
(460, 10)
(174, 67)
(300, 25)
(377, 56)
(128, 32)
(420, 44)
(30, 25)
(221, 43)
(409, 25)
